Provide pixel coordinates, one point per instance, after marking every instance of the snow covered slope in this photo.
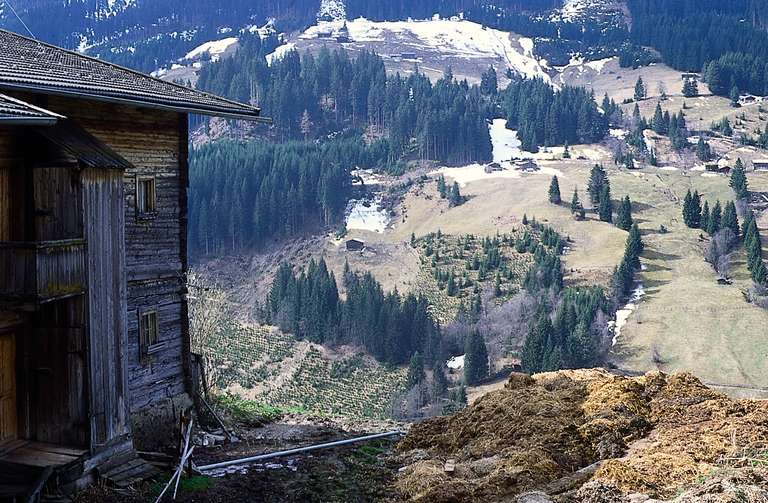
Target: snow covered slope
(467, 47)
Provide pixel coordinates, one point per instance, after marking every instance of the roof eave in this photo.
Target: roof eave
(253, 116)
(28, 121)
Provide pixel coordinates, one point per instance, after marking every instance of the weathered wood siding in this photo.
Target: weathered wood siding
(11, 189)
(155, 143)
(103, 196)
(55, 374)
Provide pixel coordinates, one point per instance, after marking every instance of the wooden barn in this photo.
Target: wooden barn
(94, 334)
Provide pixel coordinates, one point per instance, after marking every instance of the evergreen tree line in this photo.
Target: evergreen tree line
(312, 97)
(570, 338)
(544, 116)
(392, 327)
(711, 220)
(623, 276)
(244, 193)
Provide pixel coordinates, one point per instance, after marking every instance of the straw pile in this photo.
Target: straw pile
(657, 435)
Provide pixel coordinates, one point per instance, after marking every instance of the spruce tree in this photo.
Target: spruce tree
(439, 381)
(475, 358)
(735, 95)
(454, 195)
(687, 209)
(597, 179)
(605, 209)
(554, 191)
(738, 181)
(705, 217)
(703, 151)
(415, 370)
(658, 123)
(731, 219)
(696, 211)
(715, 217)
(640, 89)
(634, 247)
(624, 214)
(575, 202)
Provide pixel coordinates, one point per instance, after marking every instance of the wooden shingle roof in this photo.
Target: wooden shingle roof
(30, 65)
(17, 112)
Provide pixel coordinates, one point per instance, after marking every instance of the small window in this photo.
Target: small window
(149, 333)
(146, 196)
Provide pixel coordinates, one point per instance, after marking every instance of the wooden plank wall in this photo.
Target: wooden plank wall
(11, 189)
(57, 203)
(103, 196)
(155, 247)
(55, 375)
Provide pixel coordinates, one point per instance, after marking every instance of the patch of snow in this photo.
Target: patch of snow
(699, 167)
(506, 145)
(214, 48)
(464, 39)
(619, 133)
(332, 10)
(280, 52)
(599, 64)
(367, 216)
(456, 363)
(622, 315)
(668, 168)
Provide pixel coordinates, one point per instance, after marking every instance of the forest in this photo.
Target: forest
(546, 117)
(725, 40)
(311, 97)
(243, 193)
(392, 327)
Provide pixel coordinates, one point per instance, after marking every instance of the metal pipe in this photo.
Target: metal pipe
(272, 455)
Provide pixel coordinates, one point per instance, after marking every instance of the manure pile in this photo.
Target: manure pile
(587, 436)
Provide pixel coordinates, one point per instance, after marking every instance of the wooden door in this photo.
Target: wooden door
(8, 418)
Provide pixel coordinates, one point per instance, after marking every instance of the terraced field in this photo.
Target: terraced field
(265, 365)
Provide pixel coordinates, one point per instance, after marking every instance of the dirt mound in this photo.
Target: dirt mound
(652, 436)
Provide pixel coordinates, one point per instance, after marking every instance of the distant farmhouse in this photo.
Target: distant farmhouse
(526, 165)
(714, 167)
(94, 330)
(760, 164)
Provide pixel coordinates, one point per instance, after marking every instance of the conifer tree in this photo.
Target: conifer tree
(624, 214)
(690, 88)
(605, 210)
(577, 208)
(415, 370)
(715, 217)
(731, 219)
(705, 217)
(703, 150)
(738, 181)
(454, 195)
(658, 123)
(735, 95)
(634, 247)
(554, 191)
(439, 380)
(696, 211)
(597, 179)
(475, 359)
(640, 89)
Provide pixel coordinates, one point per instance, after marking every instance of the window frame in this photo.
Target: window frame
(146, 191)
(149, 334)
